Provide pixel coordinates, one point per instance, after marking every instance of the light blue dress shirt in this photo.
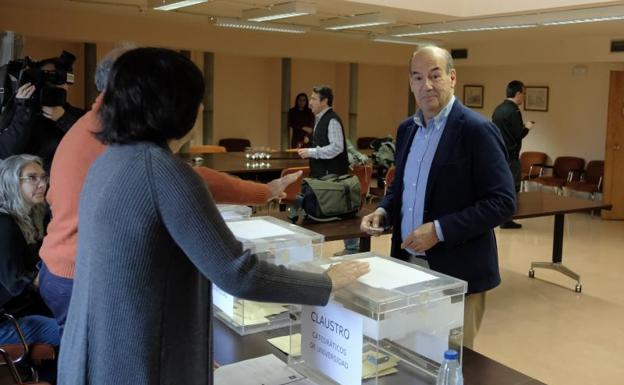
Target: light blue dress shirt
(417, 169)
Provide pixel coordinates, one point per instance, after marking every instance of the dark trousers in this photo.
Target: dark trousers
(516, 171)
(56, 293)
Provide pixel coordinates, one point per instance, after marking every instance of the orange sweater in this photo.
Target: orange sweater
(74, 155)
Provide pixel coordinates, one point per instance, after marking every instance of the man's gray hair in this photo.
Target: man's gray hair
(103, 69)
(434, 48)
(29, 218)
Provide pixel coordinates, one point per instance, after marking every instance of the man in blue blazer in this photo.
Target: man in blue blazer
(451, 188)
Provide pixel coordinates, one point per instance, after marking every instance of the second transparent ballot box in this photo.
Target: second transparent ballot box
(234, 212)
(391, 326)
(275, 241)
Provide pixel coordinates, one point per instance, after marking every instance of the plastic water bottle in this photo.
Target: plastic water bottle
(450, 371)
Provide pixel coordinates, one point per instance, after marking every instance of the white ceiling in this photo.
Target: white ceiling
(406, 12)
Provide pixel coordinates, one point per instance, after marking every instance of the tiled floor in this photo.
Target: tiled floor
(540, 326)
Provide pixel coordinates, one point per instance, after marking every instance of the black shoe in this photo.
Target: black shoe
(511, 225)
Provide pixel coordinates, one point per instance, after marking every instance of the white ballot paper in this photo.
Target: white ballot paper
(265, 370)
(257, 228)
(286, 343)
(387, 274)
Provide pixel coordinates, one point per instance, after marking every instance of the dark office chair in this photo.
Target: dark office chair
(561, 172)
(206, 149)
(380, 192)
(234, 144)
(28, 356)
(294, 188)
(528, 165)
(364, 173)
(590, 179)
(389, 178)
(364, 142)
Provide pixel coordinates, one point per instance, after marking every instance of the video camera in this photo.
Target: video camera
(21, 71)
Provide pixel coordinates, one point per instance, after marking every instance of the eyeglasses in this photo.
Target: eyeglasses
(35, 179)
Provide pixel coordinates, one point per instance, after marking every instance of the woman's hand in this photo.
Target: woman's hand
(277, 186)
(345, 273)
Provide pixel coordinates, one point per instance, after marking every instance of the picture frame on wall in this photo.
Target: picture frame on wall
(473, 96)
(536, 98)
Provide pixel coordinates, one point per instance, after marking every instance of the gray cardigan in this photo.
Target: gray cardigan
(150, 239)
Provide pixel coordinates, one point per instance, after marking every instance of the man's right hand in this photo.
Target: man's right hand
(373, 223)
(25, 91)
(529, 124)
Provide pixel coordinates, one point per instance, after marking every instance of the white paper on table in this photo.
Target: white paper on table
(256, 312)
(256, 228)
(223, 301)
(290, 344)
(266, 370)
(387, 274)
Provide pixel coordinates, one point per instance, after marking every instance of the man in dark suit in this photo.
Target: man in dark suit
(451, 188)
(508, 119)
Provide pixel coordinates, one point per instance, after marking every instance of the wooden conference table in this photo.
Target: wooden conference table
(230, 347)
(338, 230)
(541, 204)
(235, 163)
(529, 205)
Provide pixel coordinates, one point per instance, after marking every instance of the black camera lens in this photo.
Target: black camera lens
(53, 96)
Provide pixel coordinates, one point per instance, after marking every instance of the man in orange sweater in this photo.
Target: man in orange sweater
(75, 154)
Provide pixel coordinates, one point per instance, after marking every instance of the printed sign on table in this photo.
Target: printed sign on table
(331, 342)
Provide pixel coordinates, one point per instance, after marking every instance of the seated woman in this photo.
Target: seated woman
(150, 240)
(23, 185)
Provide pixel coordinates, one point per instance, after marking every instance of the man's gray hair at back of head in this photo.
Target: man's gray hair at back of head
(104, 67)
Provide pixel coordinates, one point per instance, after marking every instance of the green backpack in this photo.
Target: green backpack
(329, 198)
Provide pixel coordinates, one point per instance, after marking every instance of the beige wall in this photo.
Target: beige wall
(575, 123)
(246, 99)
(39, 49)
(306, 74)
(382, 99)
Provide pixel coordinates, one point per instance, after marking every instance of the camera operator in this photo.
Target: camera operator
(35, 121)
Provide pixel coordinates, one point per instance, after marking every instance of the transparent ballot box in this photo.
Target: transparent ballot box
(234, 212)
(389, 327)
(274, 241)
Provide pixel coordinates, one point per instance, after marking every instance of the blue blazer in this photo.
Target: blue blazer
(470, 191)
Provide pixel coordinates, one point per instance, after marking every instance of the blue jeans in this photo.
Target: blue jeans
(352, 244)
(56, 293)
(36, 329)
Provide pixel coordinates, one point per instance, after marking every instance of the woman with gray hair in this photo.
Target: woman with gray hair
(23, 184)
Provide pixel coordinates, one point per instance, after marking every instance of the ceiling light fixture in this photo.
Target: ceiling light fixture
(401, 40)
(168, 5)
(591, 15)
(411, 31)
(575, 16)
(281, 11)
(358, 21)
(255, 26)
(511, 22)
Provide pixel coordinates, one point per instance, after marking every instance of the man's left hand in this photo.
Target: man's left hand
(304, 153)
(421, 239)
(53, 113)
